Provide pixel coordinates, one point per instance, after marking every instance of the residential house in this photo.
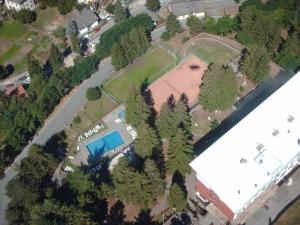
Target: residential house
(86, 1)
(20, 4)
(15, 89)
(199, 8)
(239, 170)
(86, 21)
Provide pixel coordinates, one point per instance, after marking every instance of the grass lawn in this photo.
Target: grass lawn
(97, 109)
(12, 30)
(291, 216)
(148, 67)
(14, 49)
(45, 17)
(212, 52)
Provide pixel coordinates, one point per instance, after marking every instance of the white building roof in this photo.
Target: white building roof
(240, 163)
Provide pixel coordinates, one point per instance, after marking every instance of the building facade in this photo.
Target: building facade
(182, 9)
(254, 155)
(20, 4)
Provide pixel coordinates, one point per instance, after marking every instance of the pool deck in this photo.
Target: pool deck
(82, 157)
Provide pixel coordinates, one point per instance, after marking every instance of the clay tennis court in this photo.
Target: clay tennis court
(185, 78)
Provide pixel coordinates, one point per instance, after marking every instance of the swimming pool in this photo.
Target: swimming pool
(105, 144)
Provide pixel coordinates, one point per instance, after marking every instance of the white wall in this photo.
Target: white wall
(28, 4)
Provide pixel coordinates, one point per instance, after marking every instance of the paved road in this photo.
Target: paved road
(55, 124)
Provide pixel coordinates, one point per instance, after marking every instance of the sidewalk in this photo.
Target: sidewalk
(285, 194)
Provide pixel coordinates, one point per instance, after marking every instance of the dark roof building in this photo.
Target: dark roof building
(85, 20)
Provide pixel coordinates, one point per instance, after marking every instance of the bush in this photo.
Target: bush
(79, 6)
(77, 120)
(214, 124)
(165, 36)
(110, 8)
(25, 16)
(93, 94)
(42, 6)
(185, 39)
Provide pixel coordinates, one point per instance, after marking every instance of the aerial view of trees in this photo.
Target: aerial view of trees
(194, 25)
(172, 25)
(93, 94)
(25, 16)
(153, 5)
(131, 45)
(255, 64)
(218, 89)
(55, 58)
(223, 25)
(120, 13)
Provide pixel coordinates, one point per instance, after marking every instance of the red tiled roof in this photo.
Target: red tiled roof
(20, 91)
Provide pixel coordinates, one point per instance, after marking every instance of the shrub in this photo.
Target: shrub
(165, 36)
(185, 39)
(25, 16)
(77, 120)
(93, 94)
(214, 124)
(110, 8)
(59, 32)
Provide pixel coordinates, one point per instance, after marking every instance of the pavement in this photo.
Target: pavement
(56, 123)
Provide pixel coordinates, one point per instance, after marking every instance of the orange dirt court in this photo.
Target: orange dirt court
(184, 78)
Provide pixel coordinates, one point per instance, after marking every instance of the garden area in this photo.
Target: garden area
(148, 68)
(212, 52)
(18, 40)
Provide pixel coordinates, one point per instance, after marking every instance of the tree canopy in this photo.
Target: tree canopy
(177, 198)
(179, 153)
(218, 89)
(120, 13)
(25, 16)
(255, 64)
(194, 25)
(172, 24)
(93, 94)
(153, 5)
(55, 58)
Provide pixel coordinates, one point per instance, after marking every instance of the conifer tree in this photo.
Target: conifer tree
(179, 153)
(146, 141)
(165, 121)
(118, 57)
(181, 115)
(151, 170)
(153, 5)
(172, 24)
(177, 198)
(120, 13)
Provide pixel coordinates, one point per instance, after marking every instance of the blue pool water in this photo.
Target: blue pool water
(105, 144)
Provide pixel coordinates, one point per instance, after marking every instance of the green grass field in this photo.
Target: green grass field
(14, 49)
(12, 30)
(291, 216)
(148, 67)
(212, 52)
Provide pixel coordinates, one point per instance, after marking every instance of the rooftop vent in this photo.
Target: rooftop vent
(239, 192)
(275, 132)
(290, 119)
(255, 185)
(259, 147)
(243, 160)
(261, 161)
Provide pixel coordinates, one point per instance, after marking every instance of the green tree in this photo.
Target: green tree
(226, 25)
(110, 8)
(153, 5)
(165, 121)
(151, 170)
(136, 108)
(165, 36)
(93, 94)
(289, 54)
(147, 141)
(3, 72)
(255, 64)
(177, 198)
(179, 153)
(120, 13)
(25, 16)
(194, 25)
(118, 58)
(218, 89)
(55, 58)
(132, 186)
(172, 24)
(65, 6)
(181, 115)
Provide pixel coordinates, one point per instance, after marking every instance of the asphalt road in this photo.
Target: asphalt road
(55, 124)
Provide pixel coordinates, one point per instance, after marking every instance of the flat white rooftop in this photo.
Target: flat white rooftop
(240, 163)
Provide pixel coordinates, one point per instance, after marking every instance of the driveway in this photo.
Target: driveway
(56, 123)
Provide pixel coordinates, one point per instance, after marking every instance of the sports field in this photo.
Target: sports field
(148, 68)
(212, 52)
